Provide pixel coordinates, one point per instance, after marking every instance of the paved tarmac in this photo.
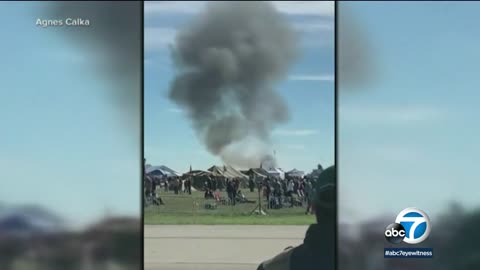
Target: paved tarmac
(215, 247)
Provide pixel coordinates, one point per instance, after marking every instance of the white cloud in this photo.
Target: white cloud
(159, 37)
(323, 8)
(324, 78)
(390, 115)
(313, 26)
(185, 7)
(296, 132)
(174, 110)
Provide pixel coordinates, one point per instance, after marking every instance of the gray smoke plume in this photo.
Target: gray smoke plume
(113, 43)
(249, 153)
(356, 63)
(228, 58)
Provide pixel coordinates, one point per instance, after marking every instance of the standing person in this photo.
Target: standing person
(268, 191)
(147, 186)
(295, 185)
(277, 193)
(188, 186)
(251, 184)
(231, 192)
(284, 188)
(165, 185)
(301, 189)
(184, 186)
(156, 198)
(175, 186)
(214, 184)
(205, 185)
(308, 196)
(318, 250)
(227, 188)
(290, 187)
(209, 183)
(154, 186)
(234, 191)
(237, 185)
(283, 193)
(207, 193)
(264, 187)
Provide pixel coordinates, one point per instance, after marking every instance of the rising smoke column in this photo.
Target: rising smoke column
(114, 45)
(228, 60)
(356, 63)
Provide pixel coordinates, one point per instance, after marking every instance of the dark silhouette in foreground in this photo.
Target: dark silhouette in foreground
(318, 249)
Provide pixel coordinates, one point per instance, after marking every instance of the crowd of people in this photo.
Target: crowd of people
(177, 185)
(292, 191)
(278, 193)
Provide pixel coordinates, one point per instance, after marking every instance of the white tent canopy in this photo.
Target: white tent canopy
(161, 170)
(277, 172)
(295, 173)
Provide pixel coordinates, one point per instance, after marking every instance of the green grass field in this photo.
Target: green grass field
(190, 209)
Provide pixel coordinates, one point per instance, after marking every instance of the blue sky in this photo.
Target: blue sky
(306, 140)
(63, 144)
(409, 137)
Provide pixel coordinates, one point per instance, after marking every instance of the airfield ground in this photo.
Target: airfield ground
(215, 247)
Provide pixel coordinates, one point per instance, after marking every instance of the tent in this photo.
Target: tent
(258, 173)
(228, 172)
(198, 177)
(161, 170)
(316, 172)
(197, 173)
(295, 173)
(277, 172)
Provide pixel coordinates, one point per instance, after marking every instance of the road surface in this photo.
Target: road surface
(215, 247)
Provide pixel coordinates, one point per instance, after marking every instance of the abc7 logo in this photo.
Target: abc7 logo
(395, 233)
(412, 226)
